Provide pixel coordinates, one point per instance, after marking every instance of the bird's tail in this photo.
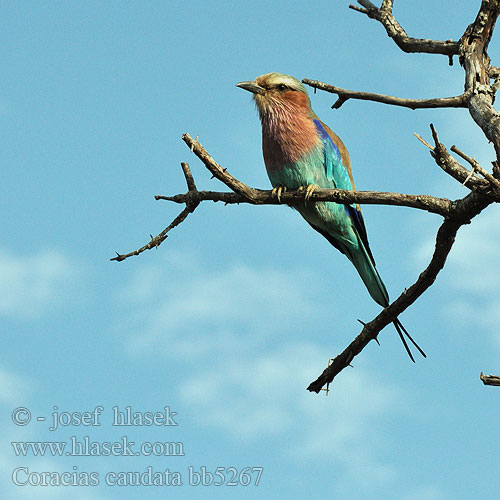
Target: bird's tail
(364, 264)
(402, 332)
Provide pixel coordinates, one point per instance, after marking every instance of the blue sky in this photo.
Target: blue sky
(232, 317)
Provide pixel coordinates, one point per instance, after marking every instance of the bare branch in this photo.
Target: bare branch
(423, 141)
(245, 194)
(459, 101)
(398, 34)
(358, 9)
(188, 176)
(386, 5)
(432, 204)
(440, 206)
(444, 242)
(452, 167)
(474, 58)
(217, 171)
(490, 379)
(495, 183)
(157, 240)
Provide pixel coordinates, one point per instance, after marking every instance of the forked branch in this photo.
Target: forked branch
(241, 193)
(156, 241)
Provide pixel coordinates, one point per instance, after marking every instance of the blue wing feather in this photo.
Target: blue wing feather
(339, 176)
(334, 169)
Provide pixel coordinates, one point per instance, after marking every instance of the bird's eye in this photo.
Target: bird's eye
(282, 87)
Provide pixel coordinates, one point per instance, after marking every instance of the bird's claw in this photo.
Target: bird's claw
(278, 191)
(309, 190)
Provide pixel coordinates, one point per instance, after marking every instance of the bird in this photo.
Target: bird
(302, 153)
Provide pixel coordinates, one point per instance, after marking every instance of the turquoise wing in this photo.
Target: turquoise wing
(339, 176)
(334, 169)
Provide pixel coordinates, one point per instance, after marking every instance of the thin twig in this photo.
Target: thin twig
(477, 167)
(358, 9)
(423, 141)
(191, 204)
(188, 176)
(157, 240)
(452, 167)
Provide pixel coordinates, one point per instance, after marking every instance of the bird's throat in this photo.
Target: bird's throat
(288, 134)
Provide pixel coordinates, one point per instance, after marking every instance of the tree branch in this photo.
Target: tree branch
(370, 331)
(490, 379)
(217, 171)
(244, 194)
(475, 60)
(459, 101)
(452, 167)
(495, 183)
(489, 185)
(160, 238)
(398, 34)
(440, 206)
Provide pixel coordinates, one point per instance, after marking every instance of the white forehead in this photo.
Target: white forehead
(280, 78)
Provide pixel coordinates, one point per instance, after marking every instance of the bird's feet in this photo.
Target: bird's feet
(309, 190)
(278, 191)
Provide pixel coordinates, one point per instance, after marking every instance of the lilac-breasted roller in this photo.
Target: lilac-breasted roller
(301, 152)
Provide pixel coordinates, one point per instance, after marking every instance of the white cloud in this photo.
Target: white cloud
(193, 314)
(252, 321)
(32, 284)
(261, 397)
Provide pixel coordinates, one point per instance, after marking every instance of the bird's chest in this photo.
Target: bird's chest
(287, 166)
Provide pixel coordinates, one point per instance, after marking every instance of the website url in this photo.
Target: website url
(85, 447)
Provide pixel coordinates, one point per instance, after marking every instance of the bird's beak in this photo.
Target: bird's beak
(251, 87)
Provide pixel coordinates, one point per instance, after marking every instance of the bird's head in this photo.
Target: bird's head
(276, 92)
